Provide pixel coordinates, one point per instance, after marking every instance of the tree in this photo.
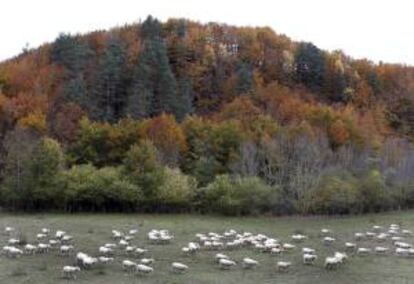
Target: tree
(110, 91)
(310, 66)
(45, 166)
(154, 87)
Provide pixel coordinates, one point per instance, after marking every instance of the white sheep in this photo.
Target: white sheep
(359, 236)
(133, 231)
(331, 263)
(128, 265)
(13, 242)
(130, 249)
(45, 231)
(89, 262)
(288, 247)
(146, 261)
(178, 267)
(350, 246)
(12, 252)
(325, 231)
(144, 269)
(116, 235)
(309, 258)
(140, 251)
(283, 266)
(401, 252)
(65, 250)
(308, 251)
(105, 251)
(380, 250)
(363, 251)
(41, 236)
(66, 239)
(342, 257)
(276, 251)
(298, 238)
(59, 234)
(225, 263)
(123, 243)
(105, 260)
(328, 240)
(402, 245)
(406, 232)
(249, 263)
(30, 249)
(43, 248)
(69, 272)
(9, 230)
(219, 256)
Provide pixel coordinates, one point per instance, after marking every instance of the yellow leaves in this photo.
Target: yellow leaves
(34, 120)
(338, 133)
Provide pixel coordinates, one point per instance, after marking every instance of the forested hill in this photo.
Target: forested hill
(208, 106)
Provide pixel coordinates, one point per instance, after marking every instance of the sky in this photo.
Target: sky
(380, 30)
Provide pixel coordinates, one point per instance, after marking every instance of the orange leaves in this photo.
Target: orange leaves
(25, 103)
(338, 133)
(167, 136)
(34, 120)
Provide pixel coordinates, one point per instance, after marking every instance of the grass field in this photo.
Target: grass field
(90, 231)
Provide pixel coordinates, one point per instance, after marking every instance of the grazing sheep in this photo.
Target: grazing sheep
(144, 269)
(128, 265)
(401, 252)
(13, 242)
(406, 232)
(110, 245)
(53, 243)
(402, 245)
(105, 260)
(298, 238)
(146, 261)
(80, 256)
(178, 267)
(89, 262)
(226, 263)
(276, 251)
(342, 257)
(140, 251)
(249, 263)
(40, 237)
(105, 251)
(382, 237)
(133, 231)
(288, 247)
(350, 246)
(359, 236)
(377, 228)
(116, 235)
(219, 256)
(45, 231)
(59, 234)
(370, 235)
(30, 249)
(363, 251)
(123, 243)
(65, 250)
(8, 230)
(69, 272)
(130, 249)
(308, 251)
(309, 258)
(328, 240)
(12, 252)
(43, 248)
(66, 239)
(331, 263)
(283, 266)
(381, 250)
(325, 231)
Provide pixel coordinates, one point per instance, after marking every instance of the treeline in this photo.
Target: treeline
(179, 116)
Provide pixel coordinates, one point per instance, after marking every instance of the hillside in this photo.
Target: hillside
(180, 116)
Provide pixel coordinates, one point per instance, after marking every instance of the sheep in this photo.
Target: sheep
(363, 251)
(41, 237)
(249, 263)
(140, 251)
(298, 238)
(309, 258)
(80, 256)
(65, 250)
(144, 269)
(406, 232)
(380, 250)
(350, 246)
(377, 228)
(402, 245)
(129, 249)
(105, 260)
(325, 231)
(331, 263)
(89, 262)
(283, 266)
(225, 263)
(146, 261)
(70, 271)
(123, 243)
(276, 251)
(401, 252)
(397, 238)
(59, 234)
(328, 240)
(43, 248)
(359, 236)
(382, 237)
(12, 252)
(110, 245)
(342, 257)
(116, 235)
(105, 251)
(45, 231)
(178, 267)
(30, 249)
(66, 239)
(128, 238)
(8, 230)
(288, 247)
(308, 251)
(133, 231)
(219, 256)
(13, 242)
(128, 265)
(53, 243)
(370, 235)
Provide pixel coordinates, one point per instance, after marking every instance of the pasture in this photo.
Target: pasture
(91, 231)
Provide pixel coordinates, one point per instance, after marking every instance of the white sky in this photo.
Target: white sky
(375, 29)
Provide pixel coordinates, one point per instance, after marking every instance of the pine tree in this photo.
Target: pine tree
(110, 93)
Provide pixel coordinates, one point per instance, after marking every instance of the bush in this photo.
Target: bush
(177, 191)
(87, 188)
(337, 194)
(238, 196)
(373, 192)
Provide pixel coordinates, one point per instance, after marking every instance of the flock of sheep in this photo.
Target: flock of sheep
(382, 240)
